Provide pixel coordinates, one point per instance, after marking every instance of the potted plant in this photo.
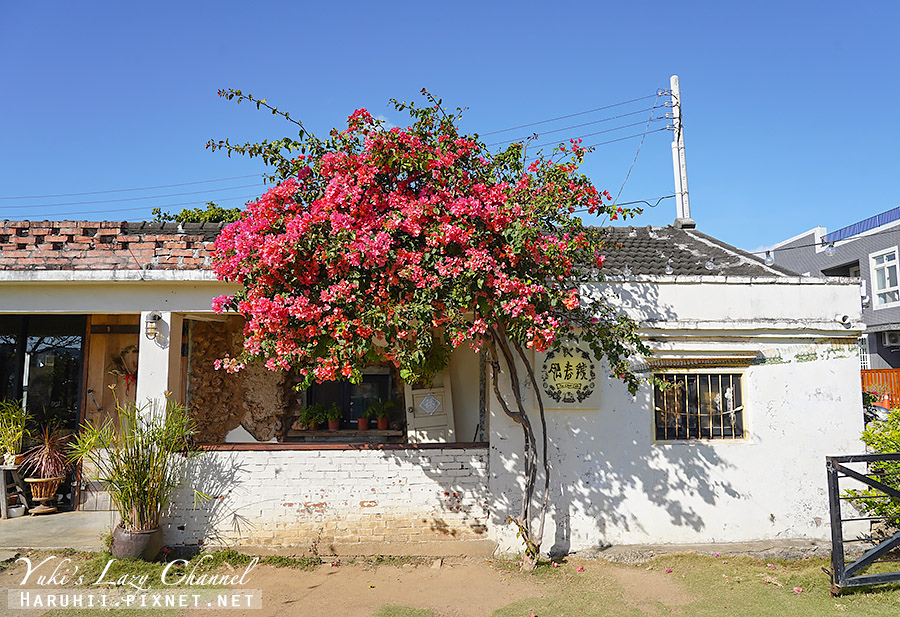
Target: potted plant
(140, 463)
(45, 466)
(308, 418)
(333, 415)
(383, 410)
(13, 418)
(362, 422)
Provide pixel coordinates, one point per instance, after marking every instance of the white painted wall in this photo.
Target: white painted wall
(116, 297)
(337, 499)
(159, 362)
(613, 485)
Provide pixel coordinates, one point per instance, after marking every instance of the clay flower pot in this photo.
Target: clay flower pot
(334, 425)
(127, 544)
(383, 424)
(362, 424)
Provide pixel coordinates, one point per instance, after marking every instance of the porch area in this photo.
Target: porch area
(83, 531)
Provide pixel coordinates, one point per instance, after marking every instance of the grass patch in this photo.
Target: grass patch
(767, 587)
(242, 560)
(396, 561)
(696, 585)
(90, 566)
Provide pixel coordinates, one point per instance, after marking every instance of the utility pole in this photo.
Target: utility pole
(683, 219)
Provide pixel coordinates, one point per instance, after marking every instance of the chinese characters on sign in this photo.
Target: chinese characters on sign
(568, 376)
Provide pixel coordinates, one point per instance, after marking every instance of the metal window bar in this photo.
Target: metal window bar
(843, 574)
(699, 406)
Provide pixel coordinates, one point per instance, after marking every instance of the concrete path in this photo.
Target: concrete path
(78, 530)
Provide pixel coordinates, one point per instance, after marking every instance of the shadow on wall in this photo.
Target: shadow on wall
(202, 506)
(608, 479)
(595, 481)
(602, 463)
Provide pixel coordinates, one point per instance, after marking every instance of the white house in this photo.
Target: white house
(764, 365)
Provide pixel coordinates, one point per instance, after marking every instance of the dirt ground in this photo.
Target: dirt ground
(451, 588)
(465, 588)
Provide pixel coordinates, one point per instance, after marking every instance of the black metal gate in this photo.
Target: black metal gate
(843, 574)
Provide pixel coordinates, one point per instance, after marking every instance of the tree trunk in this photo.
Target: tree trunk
(498, 344)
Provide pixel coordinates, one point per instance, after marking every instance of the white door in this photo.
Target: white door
(429, 412)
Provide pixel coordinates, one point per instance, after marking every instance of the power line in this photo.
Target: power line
(610, 141)
(184, 203)
(143, 188)
(575, 126)
(638, 201)
(612, 130)
(823, 242)
(637, 153)
(580, 113)
(106, 201)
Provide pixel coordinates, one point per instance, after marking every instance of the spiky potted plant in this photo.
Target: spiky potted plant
(45, 466)
(13, 420)
(140, 462)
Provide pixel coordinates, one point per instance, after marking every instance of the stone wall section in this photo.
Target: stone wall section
(107, 245)
(253, 398)
(333, 501)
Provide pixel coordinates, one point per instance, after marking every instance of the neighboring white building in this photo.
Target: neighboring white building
(765, 365)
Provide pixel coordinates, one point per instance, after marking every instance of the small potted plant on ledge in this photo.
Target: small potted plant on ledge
(333, 415)
(140, 463)
(309, 418)
(13, 418)
(383, 411)
(45, 466)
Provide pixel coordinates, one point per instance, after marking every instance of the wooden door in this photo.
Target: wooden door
(429, 412)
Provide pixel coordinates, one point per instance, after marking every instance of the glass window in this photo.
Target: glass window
(699, 406)
(41, 364)
(352, 399)
(885, 279)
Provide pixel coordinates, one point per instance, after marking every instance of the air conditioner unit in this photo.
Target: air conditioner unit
(891, 339)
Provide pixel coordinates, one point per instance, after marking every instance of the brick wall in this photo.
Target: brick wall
(334, 501)
(93, 245)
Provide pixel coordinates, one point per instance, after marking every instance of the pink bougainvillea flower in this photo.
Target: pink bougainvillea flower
(798, 589)
(579, 569)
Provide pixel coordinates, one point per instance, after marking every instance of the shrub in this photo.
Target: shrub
(881, 437)
(142, 461)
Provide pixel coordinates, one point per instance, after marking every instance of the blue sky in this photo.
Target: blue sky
(789, 106)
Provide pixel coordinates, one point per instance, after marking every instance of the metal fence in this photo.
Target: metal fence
(844, 574)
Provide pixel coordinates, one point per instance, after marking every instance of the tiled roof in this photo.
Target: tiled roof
(646, 251)
(86, 245)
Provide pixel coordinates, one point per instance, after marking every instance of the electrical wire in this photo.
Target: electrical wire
(612, 130)
(106, 201)
(610, 141)
(636, 154)
(575, 126)
(143, 188)
(823, 243)
(580, 113)
(184, 203)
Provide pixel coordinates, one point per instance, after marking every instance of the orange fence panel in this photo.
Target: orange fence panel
(885, 383)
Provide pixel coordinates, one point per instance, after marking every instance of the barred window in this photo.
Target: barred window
(699, 406)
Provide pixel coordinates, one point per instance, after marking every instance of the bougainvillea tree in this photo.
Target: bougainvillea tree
(398, 245)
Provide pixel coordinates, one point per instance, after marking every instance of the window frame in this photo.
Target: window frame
(873, 276)
(740, 373)
(864, 356)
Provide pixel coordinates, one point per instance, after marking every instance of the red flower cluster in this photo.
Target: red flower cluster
(396, 244)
